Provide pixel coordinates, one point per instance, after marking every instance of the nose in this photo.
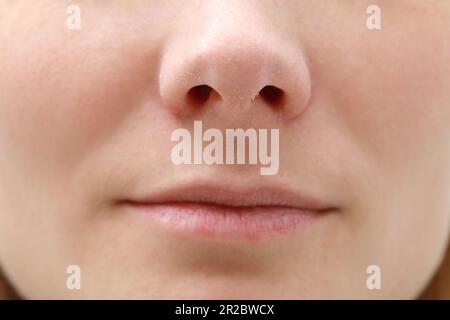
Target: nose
(234, 73)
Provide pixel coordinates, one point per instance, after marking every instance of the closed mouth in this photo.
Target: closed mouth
(221, 213)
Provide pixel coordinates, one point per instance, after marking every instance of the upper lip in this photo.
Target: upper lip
(232, 196)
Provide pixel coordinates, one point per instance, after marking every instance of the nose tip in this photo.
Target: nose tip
(235, 75)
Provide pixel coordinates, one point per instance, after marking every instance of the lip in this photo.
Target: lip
(221, 213)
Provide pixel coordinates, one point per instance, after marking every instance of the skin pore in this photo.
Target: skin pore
(86, 118)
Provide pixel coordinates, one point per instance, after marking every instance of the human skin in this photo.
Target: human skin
(86, 117)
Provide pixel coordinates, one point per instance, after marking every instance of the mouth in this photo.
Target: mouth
(219, 213)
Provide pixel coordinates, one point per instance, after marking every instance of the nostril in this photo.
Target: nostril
(198, 95)
(272, 95)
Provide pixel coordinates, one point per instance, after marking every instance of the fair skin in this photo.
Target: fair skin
(84, 122)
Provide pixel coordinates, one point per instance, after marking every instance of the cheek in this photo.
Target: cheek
(389, 95)
(390, 89)
(64, 95)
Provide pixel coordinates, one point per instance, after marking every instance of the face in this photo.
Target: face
(86, 118)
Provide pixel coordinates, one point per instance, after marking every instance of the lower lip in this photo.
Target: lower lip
(228, 223)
